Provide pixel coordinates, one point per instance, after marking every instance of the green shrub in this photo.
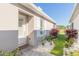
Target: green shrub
(43, 39)
(49, 38)
(68, 43)
(54, 33)
(10, 53)
(75, 53)
(71, 33)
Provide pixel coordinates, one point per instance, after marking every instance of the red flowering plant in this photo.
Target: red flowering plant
(54, 33)
(71, 33)
(71, 36)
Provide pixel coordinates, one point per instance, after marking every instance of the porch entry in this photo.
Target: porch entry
(23, 30)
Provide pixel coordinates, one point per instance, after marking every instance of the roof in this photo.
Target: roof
(38, 11)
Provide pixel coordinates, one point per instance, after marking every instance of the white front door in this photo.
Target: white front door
(22, 30)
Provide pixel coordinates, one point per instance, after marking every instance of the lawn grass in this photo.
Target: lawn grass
(59, 45)
(62, 31)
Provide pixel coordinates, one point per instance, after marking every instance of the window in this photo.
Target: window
(20, 22)
(41, 26)
(72, 25)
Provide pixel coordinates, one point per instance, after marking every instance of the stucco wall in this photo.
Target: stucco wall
(37, 34)
(37, 25)
(8, 17)
(8, 27)
(47, 26)
(31, 39)
(76, 24)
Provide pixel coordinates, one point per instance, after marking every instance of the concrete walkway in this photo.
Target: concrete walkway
(36, 51)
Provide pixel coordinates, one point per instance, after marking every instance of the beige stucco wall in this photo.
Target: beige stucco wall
(36, 23)
(31, 31)
(49, 25)
(46, 24)
(76, 24)
(8, 27)
(75, 19)
(8, 17)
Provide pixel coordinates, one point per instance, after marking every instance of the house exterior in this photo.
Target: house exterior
(22, 24)
(74, 19)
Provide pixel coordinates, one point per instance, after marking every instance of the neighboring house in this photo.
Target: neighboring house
(74, 19)
(22, 24)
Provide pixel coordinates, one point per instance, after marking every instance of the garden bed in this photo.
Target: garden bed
(59, 45)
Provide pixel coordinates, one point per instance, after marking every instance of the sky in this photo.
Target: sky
(60, 12)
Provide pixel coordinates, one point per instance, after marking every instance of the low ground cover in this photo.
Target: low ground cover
(15, 52)
(59, 45)
(75, 53)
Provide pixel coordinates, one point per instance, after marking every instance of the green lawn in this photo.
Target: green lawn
(59, 45)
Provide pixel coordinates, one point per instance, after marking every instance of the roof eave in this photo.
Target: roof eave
(73, 11)
(39, 12)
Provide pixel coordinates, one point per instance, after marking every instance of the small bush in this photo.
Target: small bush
(75, 53)
(47, 38)
(68, 43)
(54, 33)
(71, 33)
(15, 52)
(43, 40)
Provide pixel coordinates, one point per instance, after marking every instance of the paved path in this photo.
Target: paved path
(36, 51)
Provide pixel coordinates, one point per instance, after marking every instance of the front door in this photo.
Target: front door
(22, 30)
